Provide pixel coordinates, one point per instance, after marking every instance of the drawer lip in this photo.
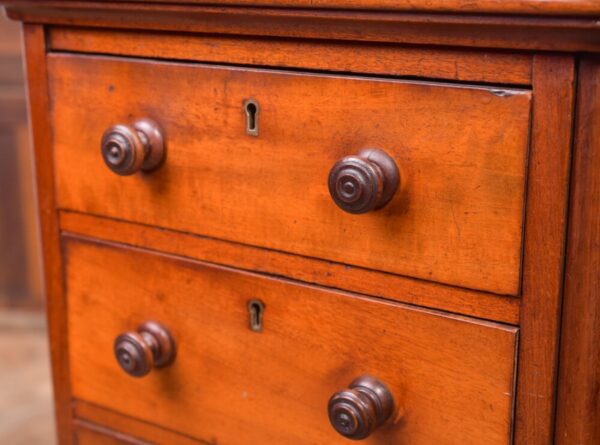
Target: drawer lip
(433, 64)
(494, 216)
(312, 271)
(85, 261)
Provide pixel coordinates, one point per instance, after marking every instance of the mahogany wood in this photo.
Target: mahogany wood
(128, 149)
(534, 7)
(234, 382)
(86, 433)
(462, 151)
(365, 181)
(392, 60)
(356, 412)
(430, 39)
(545, 228)
(309, 270)
(150, 346)
(91, 414)
(467, 30)
(578, 413)
(35, 59)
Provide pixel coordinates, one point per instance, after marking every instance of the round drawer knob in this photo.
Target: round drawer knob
(151, 346)
(356, 412)
(127, 149)
(365, 181)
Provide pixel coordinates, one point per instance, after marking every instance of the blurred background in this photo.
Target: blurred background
(26, 416)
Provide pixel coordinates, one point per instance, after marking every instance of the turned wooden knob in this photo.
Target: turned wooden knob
(356, 412)
(365, 181)
(127, 149)
(151, 346)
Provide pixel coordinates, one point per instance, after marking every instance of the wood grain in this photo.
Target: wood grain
(578, 412)
(461, 151)
(309, 270)
(467, 30)
(537, 7)
(89, 413)
(474, 66)
(86, 433)
(545, 228)
(272, 387)
(35, 58)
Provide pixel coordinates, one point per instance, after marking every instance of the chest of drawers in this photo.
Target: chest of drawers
(313, 222)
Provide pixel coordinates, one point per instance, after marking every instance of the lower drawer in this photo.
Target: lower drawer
(452, 378)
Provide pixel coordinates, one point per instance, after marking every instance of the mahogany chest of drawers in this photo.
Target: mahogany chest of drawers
(311, 222)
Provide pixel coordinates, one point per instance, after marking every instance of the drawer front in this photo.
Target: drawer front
(451, 377)
(461, 151)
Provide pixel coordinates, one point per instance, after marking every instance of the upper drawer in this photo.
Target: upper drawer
(461, 151)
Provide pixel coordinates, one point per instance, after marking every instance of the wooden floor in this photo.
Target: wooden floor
(26, 416)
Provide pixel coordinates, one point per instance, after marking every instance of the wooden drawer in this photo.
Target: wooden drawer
(452, 377)
(461, 151)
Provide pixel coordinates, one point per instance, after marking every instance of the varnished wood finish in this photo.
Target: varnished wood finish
(364, 182)
(470, 31)
(261, 380)
(433, 63)
(309, 270)
(358, 411)
(527, 47)
(86, 433)
(578, 413)
(545, 228)
(149, 347)
(535, 7)
(35, 59)
(129, 149)
(461, 150)
(96, 415)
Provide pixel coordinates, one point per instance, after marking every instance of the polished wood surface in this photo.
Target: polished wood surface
(310, 270)
(35, 59)
(89, 414)
(261, 380)
(86, 433)
(466, 30)
(578, 413)
(536, 7)
(464, 171)
(545, 237)
(432, 63)
(509, 55)
(356, 412)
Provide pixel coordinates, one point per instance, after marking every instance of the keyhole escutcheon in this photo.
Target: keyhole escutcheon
(256, 309)
(252, 110)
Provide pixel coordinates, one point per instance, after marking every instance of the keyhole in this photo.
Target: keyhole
(251, 109)
(256, 309)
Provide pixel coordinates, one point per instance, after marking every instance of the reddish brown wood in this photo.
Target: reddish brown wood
(150, 346)
(564, 34)
(464, 171)
(310, 270)
(235, 382)
(549, 166)
(358, 411)
(578, 413)
(35, 57)
(128, 149)
(87, 433)
(364, 182)
(535, 7)
(451, 64)
(90, 414)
